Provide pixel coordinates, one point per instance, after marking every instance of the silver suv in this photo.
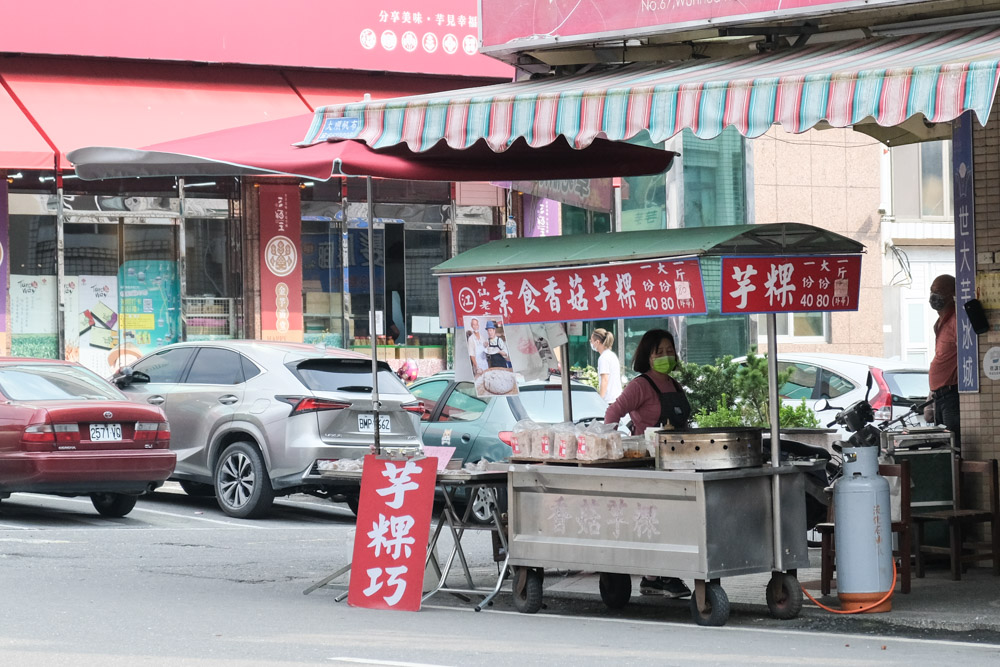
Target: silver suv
(250, 420)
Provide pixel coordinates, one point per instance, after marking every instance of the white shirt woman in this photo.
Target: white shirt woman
(609, 369)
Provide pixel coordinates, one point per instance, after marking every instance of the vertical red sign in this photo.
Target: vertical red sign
(390, 545)
(280, 263)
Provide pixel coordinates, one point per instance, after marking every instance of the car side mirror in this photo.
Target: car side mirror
(127, 375)
(821, 405)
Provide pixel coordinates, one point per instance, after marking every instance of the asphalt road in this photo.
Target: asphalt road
(178, 582)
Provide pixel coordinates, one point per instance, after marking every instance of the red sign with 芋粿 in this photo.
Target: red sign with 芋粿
(790, 284)
(390, 544)
(654, 288)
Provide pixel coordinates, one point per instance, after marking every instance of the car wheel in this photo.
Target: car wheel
(482, 505)
(353, 501)
(114, 505)
(197, 489)
(242, 486)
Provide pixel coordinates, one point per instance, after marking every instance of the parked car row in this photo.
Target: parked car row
(247, 421)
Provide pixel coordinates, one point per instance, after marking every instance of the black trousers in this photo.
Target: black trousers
(946, 412)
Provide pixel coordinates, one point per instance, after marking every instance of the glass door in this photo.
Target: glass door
(120, 289)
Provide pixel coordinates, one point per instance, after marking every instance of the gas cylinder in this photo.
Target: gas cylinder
(863, 537)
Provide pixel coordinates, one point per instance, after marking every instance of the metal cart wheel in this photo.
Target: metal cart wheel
(716, 611)
(784, 596)
(527, 589)
(616, 589)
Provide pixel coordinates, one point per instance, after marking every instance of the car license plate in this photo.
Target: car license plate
(366, 423)
(105, 432)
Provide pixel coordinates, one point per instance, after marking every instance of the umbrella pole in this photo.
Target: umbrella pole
(773, 410)
(371, 311)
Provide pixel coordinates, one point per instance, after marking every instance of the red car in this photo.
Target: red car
(64, 430)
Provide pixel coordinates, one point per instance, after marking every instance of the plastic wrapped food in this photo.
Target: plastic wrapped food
(542, 443)
(522, 437)
(565, 441)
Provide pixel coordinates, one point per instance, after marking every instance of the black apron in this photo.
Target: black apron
(674, 406)
(493, 357)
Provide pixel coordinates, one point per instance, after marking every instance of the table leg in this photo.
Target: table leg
(323, 582)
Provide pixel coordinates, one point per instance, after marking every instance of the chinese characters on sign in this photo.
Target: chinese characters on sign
(965, 253)
(411, 29)
(280, 266)
(635, 289)
(789, 284)
(390, 545)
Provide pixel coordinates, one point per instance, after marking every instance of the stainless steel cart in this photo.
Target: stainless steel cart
(693, 525)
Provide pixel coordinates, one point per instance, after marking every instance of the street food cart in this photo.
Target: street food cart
(711, 508)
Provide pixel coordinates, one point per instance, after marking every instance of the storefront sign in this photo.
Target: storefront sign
(595, 194)
(97, 319)
(280, 263)
(965, 252)
(421, 36)
(633, 289)
(524, 24)
(150, 307)
(991, 363)
(790, 284)
(541, 217)
(390, 544)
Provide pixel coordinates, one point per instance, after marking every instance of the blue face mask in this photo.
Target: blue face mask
(664, 364)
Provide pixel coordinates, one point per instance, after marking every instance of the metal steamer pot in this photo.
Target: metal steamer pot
(709, 449)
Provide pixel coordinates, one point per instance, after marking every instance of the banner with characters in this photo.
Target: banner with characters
(280, 263)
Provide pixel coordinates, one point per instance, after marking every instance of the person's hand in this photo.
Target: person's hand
(929, 409)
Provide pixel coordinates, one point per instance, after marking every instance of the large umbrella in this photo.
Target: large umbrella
(266, 149)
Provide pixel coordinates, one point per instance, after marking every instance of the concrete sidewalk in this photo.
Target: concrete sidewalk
(935, 603)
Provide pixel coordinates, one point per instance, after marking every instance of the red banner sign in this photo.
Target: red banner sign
(529, 24)
(793, 284)
(633, 289)
(420, 36)
(390, 544)
(280, 264)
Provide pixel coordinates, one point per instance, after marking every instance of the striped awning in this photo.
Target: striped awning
(883, 80)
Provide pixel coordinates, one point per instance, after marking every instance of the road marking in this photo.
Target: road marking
(390, 663)
(728, 628)
(98, 521)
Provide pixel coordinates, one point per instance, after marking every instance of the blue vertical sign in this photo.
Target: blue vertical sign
(965, 252)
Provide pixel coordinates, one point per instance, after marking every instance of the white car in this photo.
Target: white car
(841, 379)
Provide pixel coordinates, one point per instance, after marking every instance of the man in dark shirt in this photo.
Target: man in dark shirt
(943, 376)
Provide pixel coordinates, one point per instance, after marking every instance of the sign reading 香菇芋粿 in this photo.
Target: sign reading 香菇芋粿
(390, 545)
(790, 284)
(653, 288)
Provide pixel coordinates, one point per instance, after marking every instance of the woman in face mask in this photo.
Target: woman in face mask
(609, 369)
(654, 398)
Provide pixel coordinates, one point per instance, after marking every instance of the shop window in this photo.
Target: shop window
(32, 294)
(425, 249)
(322, 282)
(797, 327)
(921, 181)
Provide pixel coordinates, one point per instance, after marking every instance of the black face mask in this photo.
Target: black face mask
(938, 302)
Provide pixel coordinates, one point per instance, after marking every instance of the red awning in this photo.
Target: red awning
(21, 146)
(133, 104)
(266, 148)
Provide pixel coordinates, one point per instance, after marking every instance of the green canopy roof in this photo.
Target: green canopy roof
(783, 238)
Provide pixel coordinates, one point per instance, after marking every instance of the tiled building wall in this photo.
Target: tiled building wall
(830, 179)
(981, 412)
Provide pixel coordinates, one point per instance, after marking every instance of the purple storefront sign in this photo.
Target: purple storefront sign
(965, 252)
(4, 265)
(541, 217)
